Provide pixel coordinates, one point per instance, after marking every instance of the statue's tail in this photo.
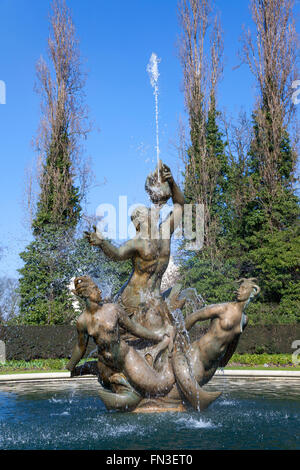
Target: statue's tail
(125, 399)
(145, 379)
(119, 401)
(195, 395)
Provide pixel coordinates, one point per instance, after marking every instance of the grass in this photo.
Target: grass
(37, 365)
(262, 362)
(238, 361)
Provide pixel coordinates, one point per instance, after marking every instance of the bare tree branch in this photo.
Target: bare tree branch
(201, 51)
(272, 53)
(64, 122)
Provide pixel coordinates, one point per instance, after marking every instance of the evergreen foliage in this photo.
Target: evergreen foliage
(251, 207)
(47, 260)
(59, 202)
(51, 261)
(251, 240)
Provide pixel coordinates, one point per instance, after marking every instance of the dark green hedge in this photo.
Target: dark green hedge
(27, 342)
(269, 339)
(42, 342)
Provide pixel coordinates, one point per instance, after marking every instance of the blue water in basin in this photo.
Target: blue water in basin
(251, 414)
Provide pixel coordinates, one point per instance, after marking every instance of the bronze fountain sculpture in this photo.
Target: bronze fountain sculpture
(145, 359)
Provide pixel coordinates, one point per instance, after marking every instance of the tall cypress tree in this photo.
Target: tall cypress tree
(59, 201)
(270, 224)
(47, 265)
(207, 270)
(256, 204)
(206, 164)
(271, 229)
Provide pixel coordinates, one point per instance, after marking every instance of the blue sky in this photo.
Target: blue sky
(116, 41)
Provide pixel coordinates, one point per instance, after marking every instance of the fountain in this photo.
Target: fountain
(152, 69)
(146, 361)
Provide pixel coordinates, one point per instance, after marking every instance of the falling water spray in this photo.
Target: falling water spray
(152, 69)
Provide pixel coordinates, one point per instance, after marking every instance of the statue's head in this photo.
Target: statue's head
(86, 288)
(159, 190)
(247, 289)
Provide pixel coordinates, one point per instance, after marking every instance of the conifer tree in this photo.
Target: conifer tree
(271, 217)
(254, 204)
(205, 175)
(46, 273)
(204, 162)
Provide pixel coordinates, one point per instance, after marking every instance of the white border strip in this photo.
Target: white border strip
(34, 376)
(39, 377)
(258, 373)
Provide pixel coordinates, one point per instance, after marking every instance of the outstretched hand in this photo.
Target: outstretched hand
(166, 174)
(93, 237)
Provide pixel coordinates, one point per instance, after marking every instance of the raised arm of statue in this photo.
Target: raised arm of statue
(126, 251)
(177, 194)
(113, 252)
(173, 220)
(175, 217)
(206, 313)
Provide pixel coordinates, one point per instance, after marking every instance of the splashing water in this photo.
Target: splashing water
(184, 343)
(152, 69)
(193, 298)
(183, 335)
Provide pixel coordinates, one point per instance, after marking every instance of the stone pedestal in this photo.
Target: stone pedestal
(160, 405)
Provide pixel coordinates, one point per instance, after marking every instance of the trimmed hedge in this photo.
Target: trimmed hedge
(27, 342)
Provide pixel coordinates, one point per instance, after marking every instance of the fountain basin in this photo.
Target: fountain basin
(252, 414)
